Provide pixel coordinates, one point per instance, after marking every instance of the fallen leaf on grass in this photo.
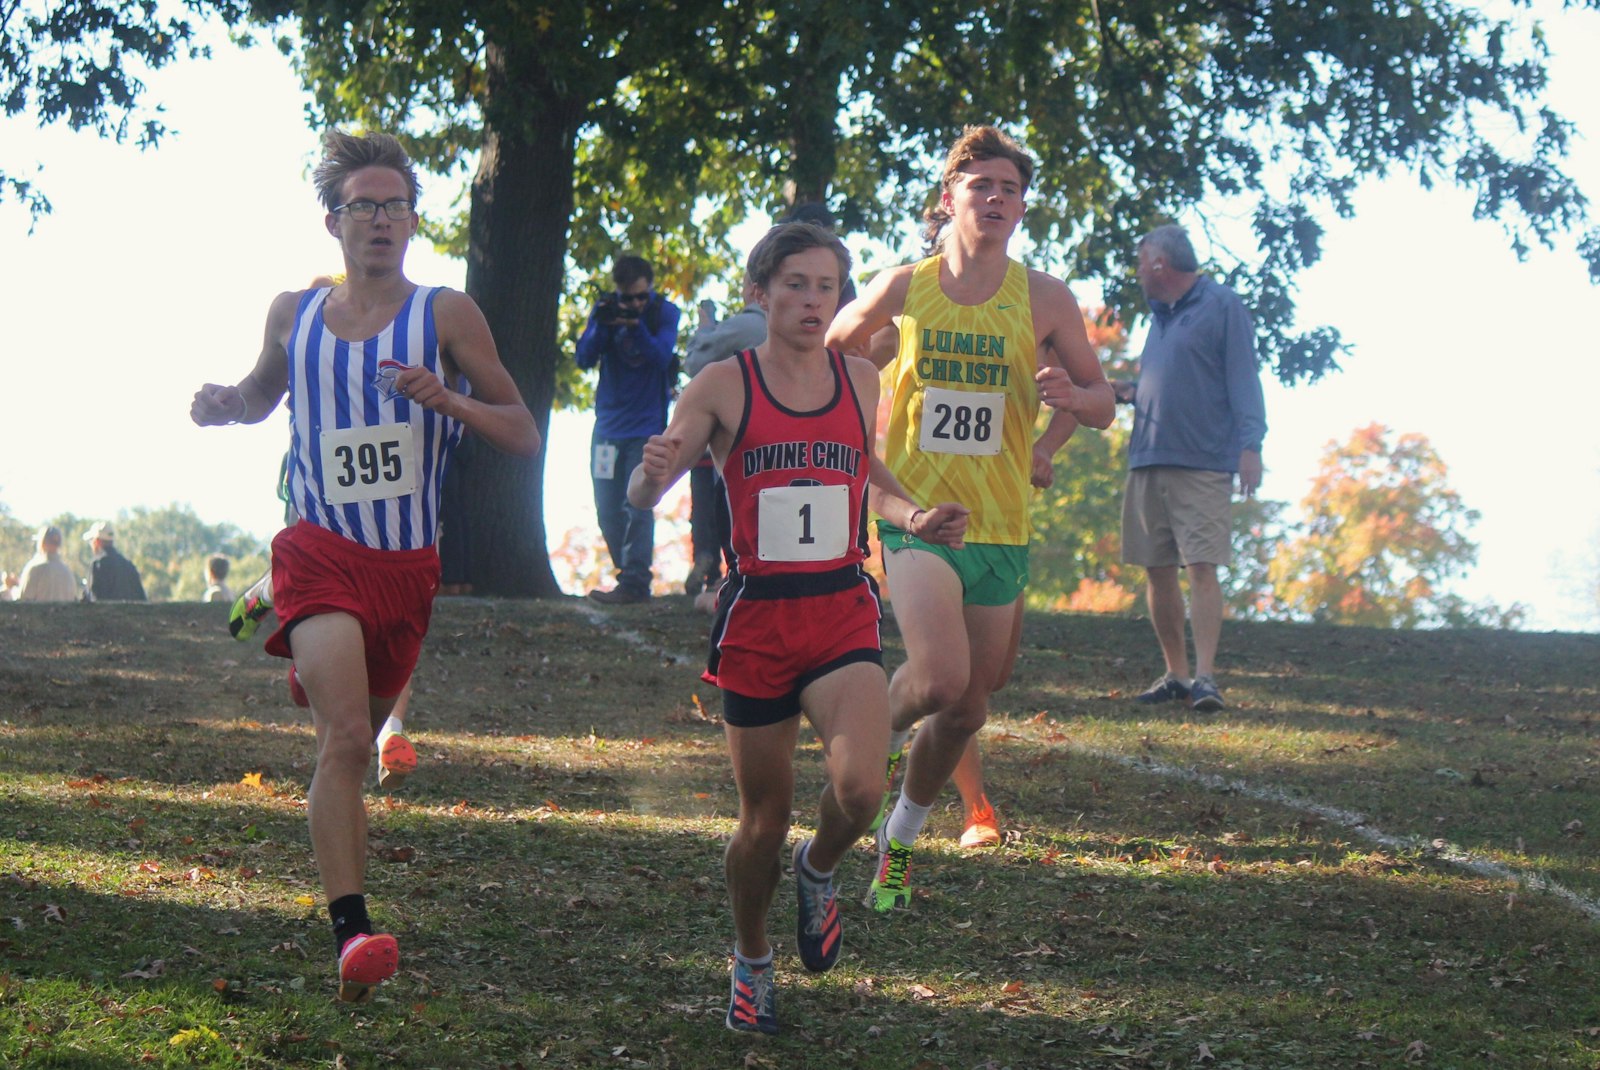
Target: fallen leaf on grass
(55, 913)
(1203, 1054)
(149, 972)
(1012, 986)
(921, 992)
(198, 1035)
(1416, 1051)
(251, 780)
(97, 779)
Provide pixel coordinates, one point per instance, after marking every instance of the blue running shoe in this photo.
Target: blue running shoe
(1205, 695)
(753, 1005)
(1167, 688)
(819, 934)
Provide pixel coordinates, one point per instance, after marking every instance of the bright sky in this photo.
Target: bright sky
(155, 271)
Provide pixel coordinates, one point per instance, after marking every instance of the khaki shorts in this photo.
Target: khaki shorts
(1177, 516)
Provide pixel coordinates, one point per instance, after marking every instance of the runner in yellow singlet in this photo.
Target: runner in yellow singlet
(966, 383)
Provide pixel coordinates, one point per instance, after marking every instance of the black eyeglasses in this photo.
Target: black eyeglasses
(367, 211)
(634, 299)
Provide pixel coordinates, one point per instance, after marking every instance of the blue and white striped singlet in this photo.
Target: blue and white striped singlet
(335, 384)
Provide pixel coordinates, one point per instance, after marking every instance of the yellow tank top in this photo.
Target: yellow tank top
(964, 403)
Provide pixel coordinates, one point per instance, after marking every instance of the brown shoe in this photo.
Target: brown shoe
(619, 596)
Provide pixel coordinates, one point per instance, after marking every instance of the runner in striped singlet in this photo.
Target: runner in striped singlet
(382, 375)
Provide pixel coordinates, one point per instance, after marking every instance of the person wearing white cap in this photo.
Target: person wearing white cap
(47, 578)
(112, 577)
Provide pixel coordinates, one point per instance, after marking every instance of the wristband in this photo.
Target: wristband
(913, 521)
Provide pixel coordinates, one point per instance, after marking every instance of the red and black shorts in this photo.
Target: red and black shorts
(774, 635)
(390, 592)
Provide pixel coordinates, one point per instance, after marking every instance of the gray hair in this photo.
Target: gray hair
(1172, 242)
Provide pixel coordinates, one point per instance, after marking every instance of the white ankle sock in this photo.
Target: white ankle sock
(905, 824)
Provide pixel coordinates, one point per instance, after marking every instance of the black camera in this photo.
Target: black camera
(611, 312)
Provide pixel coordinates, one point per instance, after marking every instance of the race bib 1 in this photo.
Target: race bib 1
(363, 464)
(605, 460)
(961, 421)
(803, 523)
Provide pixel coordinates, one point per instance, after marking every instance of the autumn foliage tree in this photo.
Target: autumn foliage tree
(1077, 556)
(1382, 536)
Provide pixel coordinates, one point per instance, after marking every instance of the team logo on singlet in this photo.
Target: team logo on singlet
(388, 370)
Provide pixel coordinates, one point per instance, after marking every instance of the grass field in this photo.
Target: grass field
(1382, 854)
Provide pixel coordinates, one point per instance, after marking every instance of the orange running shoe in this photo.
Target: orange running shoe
(397, 759)
(296, 690)
(983, 828)
(365, 963)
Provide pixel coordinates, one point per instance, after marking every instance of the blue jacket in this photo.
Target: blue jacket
(637, 370)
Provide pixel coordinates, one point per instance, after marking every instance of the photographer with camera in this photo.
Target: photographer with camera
(630, 335)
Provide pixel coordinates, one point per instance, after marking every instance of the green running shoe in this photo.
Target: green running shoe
(247, 614)
(891, 888)
(888, 791)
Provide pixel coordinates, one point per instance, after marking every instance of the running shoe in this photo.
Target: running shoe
(296, 690)
(818, 934)
(983, 828)
(365, 962)
(1205, 696)
(891, 888)
(888, 791)
(1166, 688)
(397, 759)
(248, 611)
(753, 1004)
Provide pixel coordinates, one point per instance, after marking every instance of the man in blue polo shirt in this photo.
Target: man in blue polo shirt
(631, 335)
(1198, 419)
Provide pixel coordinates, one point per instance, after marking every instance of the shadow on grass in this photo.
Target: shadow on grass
(579, 936)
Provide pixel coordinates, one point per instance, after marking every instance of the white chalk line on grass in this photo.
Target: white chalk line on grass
(627, 635)
(1347, 819)
(1355, 823)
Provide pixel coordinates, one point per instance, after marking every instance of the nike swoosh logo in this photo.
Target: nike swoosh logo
(1002, 308)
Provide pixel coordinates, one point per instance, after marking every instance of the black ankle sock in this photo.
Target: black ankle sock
(349, 914)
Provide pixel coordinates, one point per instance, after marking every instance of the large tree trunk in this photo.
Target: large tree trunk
(521, 201)
(816, 66)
